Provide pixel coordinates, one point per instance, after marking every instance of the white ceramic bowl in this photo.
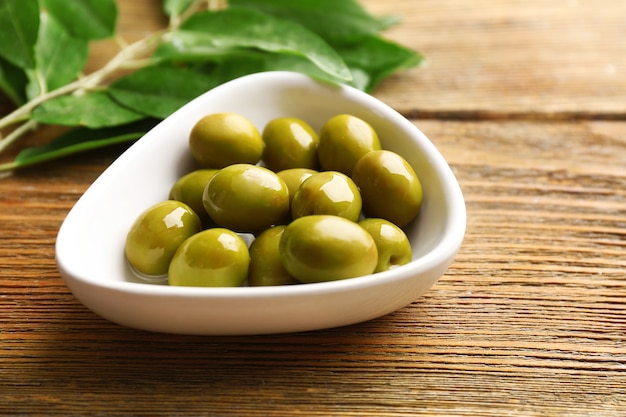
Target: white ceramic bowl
(90, 242)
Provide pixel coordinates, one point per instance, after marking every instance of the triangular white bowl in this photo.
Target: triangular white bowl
(90, 242)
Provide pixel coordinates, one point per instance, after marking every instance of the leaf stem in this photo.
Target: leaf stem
(18, 132)
(132, 53)
(177, 20)
(7, 167)
(129, 53)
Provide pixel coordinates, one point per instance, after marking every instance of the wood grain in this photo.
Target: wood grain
(533, 58)
(530, 319)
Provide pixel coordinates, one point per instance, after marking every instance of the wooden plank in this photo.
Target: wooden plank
(529, 319)
(525, 101)
(512, 57)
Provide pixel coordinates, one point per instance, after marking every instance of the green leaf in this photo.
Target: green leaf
(160, 90)
(190, 47)
(331, 19)
(207, 34)
(19, 23)
(94, 110)
(60, 57)
(370, 60)
(13, 82)
(80, 140)
(174, 8)
(350, 30)
(85, 19)
(239, 65)
(378, 58)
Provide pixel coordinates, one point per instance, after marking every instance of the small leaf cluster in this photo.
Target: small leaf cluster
(45, 45)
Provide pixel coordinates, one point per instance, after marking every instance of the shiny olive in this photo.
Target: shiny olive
(327, 192)
(266, 267)
(221, 139)
(327, 248)
(246, 198)
(294, 178)
(343, 140)
(212, 258)
(189, 188)
(156, 235)
(389, 186)
(392, 243)
(289, 143)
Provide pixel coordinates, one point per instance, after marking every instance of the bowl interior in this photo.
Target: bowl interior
(91, 241)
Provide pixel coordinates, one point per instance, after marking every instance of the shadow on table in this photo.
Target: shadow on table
(116, 367)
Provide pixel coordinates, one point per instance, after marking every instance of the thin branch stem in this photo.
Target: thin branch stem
(18, 132)
(130, 57)
(176, 21)
(129, 54)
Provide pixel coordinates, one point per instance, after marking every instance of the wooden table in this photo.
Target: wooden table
(527, 101)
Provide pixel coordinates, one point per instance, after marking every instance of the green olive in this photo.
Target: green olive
(289, 143)
(389, 186)
(212, 258)
(246, 198)
(392, 243)
(326, 248)
(266, 267)
(189, 188)
(327, 192)
(344, 139)
(221, 139)
(156, 235)
(294, 178)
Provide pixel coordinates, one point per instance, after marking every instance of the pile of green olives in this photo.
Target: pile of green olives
(280, 206)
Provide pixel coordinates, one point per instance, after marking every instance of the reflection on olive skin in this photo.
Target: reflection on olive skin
(328, 192)
(289, 143)
(344, 139)
(389, 186)
(320, 248)
(156, 235)
(246, 198)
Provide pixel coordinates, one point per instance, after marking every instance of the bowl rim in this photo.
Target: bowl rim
(439, 256)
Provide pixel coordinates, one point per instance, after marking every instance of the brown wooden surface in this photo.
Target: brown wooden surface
(527, 101)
